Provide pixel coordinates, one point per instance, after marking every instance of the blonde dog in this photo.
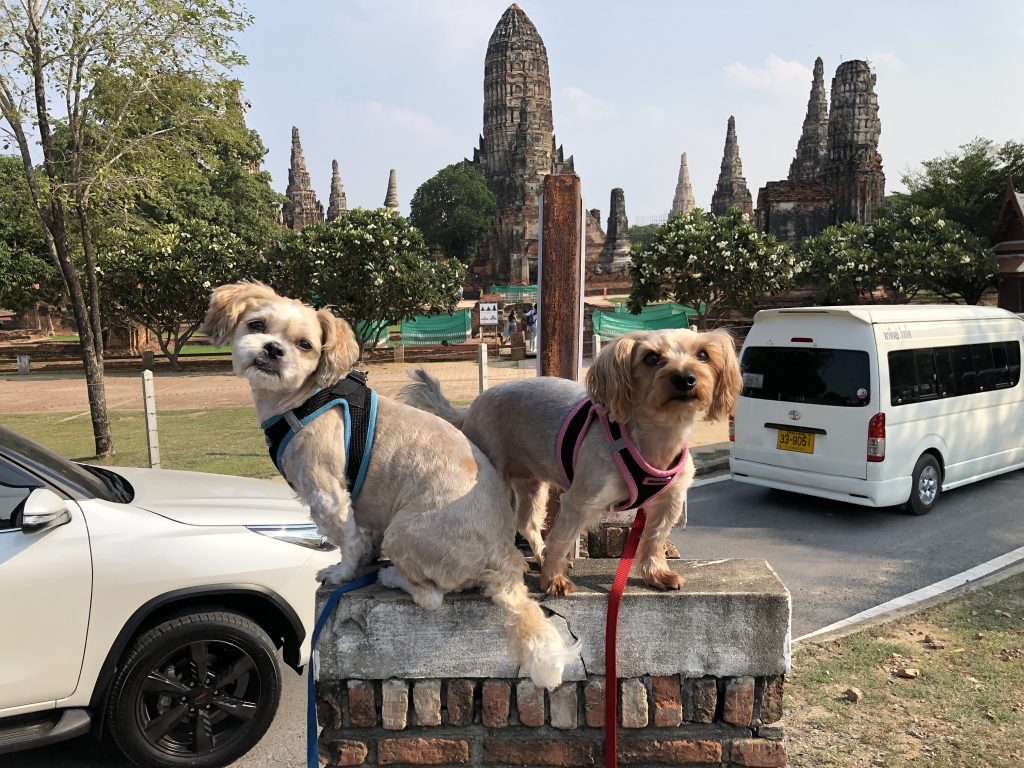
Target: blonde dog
(425, 482)
(652, 383)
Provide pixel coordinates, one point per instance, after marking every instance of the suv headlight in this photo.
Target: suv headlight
(305, 535)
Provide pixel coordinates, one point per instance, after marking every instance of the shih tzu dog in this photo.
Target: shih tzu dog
(424, 482)
(647, 388)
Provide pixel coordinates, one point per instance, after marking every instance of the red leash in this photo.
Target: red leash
(611, 679)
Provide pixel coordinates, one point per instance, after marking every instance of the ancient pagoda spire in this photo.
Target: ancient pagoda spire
(732, 186)
(812, 149)
(615, 255)
(391, 198)
(301, 206)
(337, 204)
(683, 201)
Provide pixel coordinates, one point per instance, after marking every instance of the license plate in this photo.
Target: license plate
(788, 440)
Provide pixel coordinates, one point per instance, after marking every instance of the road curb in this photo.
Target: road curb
(710, 458)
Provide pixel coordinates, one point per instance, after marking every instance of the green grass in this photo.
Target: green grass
(966, 710)
(223, 440)
(203, 349)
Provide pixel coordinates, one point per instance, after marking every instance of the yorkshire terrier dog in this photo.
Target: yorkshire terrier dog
(429, 497)
(650, 386)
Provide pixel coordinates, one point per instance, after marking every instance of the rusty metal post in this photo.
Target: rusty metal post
(560, 277)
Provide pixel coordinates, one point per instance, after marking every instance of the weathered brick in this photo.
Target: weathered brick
(422, 751)
(738, 701)
(342, 752)
(460, 702)
(614, 540)
(426, 702)
(771, 732)
(593, 702)
(700, 699)
(530, 703)
(668, 705)
(495, 703)
(394, 707)
(564, 705)
(362, 704)
(519, 752)
(770, 710)
(328, 705)
(758, 753)
(671, 752)
(633, 704)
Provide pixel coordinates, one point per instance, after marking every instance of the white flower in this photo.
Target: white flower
(206, 283)
(916, 220)
(940, 224)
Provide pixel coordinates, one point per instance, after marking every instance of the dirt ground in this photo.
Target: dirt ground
(49, 393)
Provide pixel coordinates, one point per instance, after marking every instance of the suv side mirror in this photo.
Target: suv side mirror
(43, 510)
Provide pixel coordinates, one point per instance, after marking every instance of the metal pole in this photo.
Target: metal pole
(481, 362)
(149, 404)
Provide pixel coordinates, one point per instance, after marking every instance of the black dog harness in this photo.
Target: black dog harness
(644, 482)
(358, 404)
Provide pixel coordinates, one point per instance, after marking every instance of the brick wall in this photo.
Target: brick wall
(669, 720)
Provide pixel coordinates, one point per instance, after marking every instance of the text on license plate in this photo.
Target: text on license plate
(803, 442)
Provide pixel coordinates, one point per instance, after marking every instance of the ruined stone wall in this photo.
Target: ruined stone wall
(793, 210)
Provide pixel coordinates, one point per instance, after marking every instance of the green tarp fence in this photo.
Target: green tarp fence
(517, 294)
(653, 317)
(436, 329)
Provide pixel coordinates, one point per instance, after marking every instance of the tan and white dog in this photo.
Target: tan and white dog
(430, 497)
(655, 383)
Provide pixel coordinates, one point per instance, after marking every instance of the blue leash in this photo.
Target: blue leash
(312, 752)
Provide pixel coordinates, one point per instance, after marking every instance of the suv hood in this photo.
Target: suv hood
(200, 498)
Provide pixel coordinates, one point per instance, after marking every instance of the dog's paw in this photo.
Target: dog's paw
(664, 579)
(558, 585)
(336, 575)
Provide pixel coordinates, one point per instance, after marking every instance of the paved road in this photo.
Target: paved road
(836, 559)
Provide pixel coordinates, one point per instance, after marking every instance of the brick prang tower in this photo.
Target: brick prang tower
(732, 185)
(301, 206)
(812, 149)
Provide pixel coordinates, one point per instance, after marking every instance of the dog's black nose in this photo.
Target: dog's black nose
(684, 381)
(273, 349)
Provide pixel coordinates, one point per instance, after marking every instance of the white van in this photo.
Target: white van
(879, 405)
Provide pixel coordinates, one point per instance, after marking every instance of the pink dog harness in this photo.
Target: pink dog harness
(645, 483)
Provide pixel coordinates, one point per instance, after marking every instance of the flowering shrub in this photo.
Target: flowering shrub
(711, 263)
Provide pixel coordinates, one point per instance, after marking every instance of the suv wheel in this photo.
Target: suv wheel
(196, 691)
(926, 485)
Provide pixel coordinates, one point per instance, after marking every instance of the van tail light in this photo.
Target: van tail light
(732, 429)
(876, 438)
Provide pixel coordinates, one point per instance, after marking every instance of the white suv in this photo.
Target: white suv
(148, 604)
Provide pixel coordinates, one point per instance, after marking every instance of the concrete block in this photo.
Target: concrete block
(731, 619)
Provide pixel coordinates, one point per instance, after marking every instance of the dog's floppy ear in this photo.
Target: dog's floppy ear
(610, 379)
(338, 348)
(729, 381)
(227, 305)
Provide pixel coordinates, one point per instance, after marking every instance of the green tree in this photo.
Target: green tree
(642, 234)
(58, 62)
(454, 210)
(841, 261)
(370, 267)
(967, 186)
(711, 263)
(26, 274)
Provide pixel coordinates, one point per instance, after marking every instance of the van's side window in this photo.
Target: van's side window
(917, 375)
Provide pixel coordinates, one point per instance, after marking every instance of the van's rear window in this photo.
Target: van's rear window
(818, 376)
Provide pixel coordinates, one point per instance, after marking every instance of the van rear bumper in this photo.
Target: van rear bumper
(867, 493)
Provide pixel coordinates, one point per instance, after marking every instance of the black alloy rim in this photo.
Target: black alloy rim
(200, 698)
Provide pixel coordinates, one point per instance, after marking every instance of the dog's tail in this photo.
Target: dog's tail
(532, 638)
(425, 393)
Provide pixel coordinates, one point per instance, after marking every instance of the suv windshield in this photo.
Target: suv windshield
(838, 377)
(54, 467)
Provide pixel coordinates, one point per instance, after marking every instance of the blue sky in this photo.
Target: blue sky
(380, 84)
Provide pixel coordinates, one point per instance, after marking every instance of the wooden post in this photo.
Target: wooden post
(560, 273)
(149, 404)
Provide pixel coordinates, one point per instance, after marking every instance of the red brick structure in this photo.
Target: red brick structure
(1009, 248)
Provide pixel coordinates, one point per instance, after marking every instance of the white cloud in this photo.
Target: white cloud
(777, 75)
(888, 61)
(588, 107)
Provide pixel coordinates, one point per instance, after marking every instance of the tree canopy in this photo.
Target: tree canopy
(454, 210)
(370, 267)
(711, 263)
(27, 275)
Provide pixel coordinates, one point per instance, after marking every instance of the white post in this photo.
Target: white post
(24, 364)
(149, 404)
(481, 361)
(597, 345)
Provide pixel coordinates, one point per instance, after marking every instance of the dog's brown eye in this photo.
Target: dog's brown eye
(652, 358)
(703, 356)
(304, 345)
(257, 325)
